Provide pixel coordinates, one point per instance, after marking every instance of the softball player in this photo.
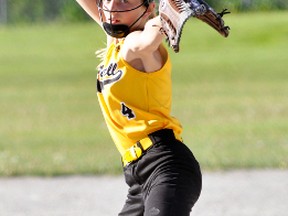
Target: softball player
(134, 93)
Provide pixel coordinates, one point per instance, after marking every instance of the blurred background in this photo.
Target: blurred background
(32, 11)
(231, 94)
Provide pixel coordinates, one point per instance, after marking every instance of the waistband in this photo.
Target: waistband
(137, 150)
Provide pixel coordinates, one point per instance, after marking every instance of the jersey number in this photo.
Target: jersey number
(126, 111)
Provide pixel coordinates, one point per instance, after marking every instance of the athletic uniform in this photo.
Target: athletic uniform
(162, 173)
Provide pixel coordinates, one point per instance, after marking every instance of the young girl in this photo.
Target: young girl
(134, 93)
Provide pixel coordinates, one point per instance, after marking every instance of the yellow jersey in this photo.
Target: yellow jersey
(134, 103)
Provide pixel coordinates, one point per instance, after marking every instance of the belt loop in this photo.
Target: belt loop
(140, 146)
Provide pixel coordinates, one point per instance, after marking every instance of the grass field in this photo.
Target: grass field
(231, 96)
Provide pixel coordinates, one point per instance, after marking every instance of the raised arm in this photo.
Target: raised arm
(90, 6)
(147, 40)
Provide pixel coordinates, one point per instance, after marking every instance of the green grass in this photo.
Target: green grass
(231, 96)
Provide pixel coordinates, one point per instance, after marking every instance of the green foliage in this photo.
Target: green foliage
(31, 11)
(229, 93)
(72, 12)
(25, 11)
(251, 5)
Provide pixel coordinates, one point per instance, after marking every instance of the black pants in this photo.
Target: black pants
(165, 181)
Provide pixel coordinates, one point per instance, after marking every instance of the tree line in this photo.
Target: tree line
(32, 11)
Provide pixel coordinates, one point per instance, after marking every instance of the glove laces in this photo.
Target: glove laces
(224, 12)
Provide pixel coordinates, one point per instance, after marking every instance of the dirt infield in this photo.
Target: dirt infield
(233, 193)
